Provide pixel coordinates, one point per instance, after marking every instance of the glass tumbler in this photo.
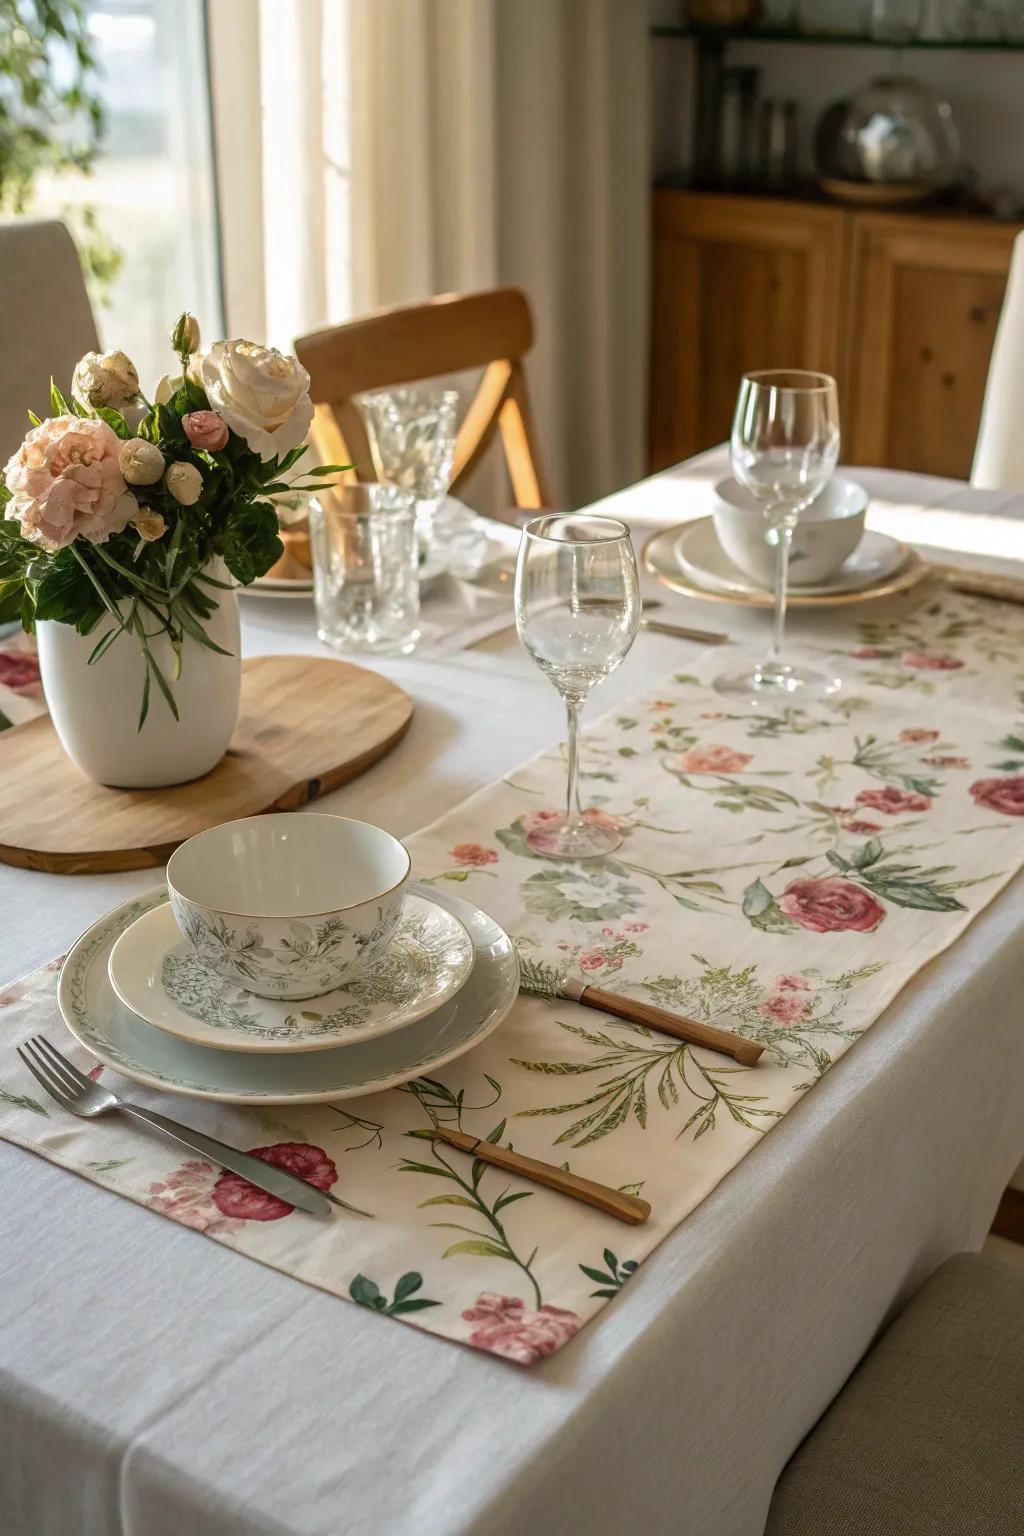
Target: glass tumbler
(365, 579)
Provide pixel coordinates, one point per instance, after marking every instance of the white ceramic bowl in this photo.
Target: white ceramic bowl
(827, 533)
(287, 905)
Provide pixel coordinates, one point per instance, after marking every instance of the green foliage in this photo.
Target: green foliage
(51, 115)
(368, 1294)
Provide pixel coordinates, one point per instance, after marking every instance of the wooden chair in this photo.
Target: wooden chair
(450, 334)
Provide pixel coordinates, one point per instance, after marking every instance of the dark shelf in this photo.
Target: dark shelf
(720, 35)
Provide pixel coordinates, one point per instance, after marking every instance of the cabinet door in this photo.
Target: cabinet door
(739, 283)
(925, 299)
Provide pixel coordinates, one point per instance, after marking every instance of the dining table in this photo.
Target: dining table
(154, 1382)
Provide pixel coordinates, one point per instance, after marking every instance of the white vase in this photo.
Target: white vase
(95, 710)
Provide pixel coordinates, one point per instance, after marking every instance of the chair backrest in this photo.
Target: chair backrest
(999, 453)
(47, 321)
(450, 334)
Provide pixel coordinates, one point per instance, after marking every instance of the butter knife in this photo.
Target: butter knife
(683, 632)
(546, 981)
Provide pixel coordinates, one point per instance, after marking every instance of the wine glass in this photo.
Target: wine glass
(577, 613)
(784, 449)
(412, 432)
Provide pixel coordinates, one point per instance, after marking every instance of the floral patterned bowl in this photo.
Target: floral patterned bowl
(289, 906)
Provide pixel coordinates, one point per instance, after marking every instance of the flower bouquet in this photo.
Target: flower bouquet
(131, 523)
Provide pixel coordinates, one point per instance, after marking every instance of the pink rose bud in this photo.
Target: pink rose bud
(205, 430)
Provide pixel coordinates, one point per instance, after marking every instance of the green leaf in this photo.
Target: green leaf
(838, 862)
(503, 1200)
(59, 405)
(417, 1304)
(450, 1200)
(868, 853)
(413, 1281)
(757, 898)
(479, 1246)
(364, 1291)
(496, 1134)
(606, 1295)
(598, 1275)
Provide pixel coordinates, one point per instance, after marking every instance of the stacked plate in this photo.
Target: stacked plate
(288, 960)
(725, 558)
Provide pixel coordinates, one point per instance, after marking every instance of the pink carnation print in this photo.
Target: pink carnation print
(1003, 795)
(594, 960)
(946, 762)
(19, 671)
(792, 983)
(831, 904)
(916, 734)
(713, 760)
(185, 1196)
(783, 1010)
(474, 855)
(893, 801)
(236, 1197)
(930, 661)
(862, 828)
(507, 1327)
(541, 827)
(66, 483)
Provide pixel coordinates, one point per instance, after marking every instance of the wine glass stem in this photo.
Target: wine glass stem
(783, 541)
(572, 793)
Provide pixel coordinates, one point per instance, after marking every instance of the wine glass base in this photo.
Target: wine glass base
(575, 838)
(767, 683)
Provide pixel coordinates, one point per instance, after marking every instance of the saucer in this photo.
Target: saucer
(113, 1034)
(158, 975)
(689, 559)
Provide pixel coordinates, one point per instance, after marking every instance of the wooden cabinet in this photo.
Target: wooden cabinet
(901, 308)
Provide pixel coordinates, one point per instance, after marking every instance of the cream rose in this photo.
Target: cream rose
(141, 463)
(185, 483)
(261, 394)
(66, 483)
(105, 378)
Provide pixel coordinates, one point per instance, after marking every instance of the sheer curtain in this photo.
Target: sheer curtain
(376, 152)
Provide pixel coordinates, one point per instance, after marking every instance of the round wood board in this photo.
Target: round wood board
(306, 726)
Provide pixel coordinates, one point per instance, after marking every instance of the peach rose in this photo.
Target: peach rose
(475, 855)
(206, 430)
(713, 760)
(894, 801)
(66, 483)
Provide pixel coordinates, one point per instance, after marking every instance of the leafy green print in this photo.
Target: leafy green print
(882, 760)
(729, 794)
(350, 1122)
(595, 895)
(794, 1017)
(22, 1101)
(615, 1278)
(368, 1294)
(487, 1238)
(1015, 744)
(632, 1066)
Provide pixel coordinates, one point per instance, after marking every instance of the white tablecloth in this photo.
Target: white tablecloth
(152, 1382)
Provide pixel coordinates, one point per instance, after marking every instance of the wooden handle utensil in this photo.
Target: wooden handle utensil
(746, 1052)
(623, 1207)
(1004, 588)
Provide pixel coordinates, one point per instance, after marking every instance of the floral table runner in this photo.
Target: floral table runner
(782, 874)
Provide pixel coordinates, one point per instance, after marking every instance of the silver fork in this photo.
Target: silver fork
(82, 1096)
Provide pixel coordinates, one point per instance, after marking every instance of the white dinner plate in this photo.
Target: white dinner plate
(701, 556)
(115, 1035)
(706, 577)
(158, 975)
(264, 586)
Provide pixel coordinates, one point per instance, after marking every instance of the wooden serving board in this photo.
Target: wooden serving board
(306, 725)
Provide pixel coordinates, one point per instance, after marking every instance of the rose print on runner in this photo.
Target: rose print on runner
(236, 1197)
(475, 855)
(186, 1196)
(929, 661)
(830, 904)
(783, 1009)
(504, 1325)
(713, 760)
(862, 828)
(792, 983)
(893, 801)
(1003, 795)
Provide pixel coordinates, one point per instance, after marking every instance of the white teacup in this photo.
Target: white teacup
(289, 906)
(827, 533)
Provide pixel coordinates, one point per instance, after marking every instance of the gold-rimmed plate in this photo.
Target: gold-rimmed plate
(660, 557)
